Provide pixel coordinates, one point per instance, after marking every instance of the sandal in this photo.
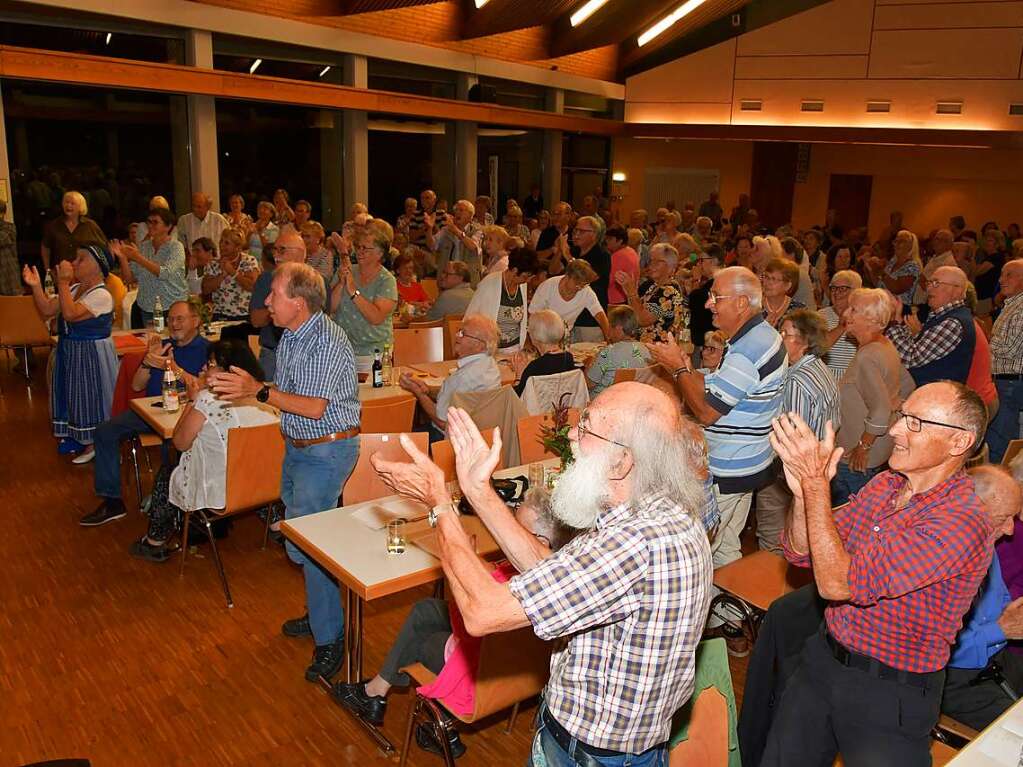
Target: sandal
(147, 551)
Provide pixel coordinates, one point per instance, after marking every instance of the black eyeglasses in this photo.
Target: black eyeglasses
(915, 423)
(583, 428)
(839, 288)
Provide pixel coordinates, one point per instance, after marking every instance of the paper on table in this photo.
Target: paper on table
(1013, 722)
(377, 516)
(1002, 746)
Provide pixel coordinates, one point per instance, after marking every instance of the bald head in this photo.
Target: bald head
(289, 248)
(947, 285)
(1001, 495)
(201, 204)
(1011, 280)
(941, 242)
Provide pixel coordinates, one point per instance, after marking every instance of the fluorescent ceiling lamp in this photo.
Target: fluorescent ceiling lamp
(679, 13)
(255, 65)
(586, 11)
(618, 176)
(481, 3)
(324, 71)
(109, 36)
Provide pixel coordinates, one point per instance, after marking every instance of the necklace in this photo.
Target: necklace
(772, 310)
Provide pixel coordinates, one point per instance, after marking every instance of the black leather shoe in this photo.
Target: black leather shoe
(108, 511)
(297, 627)
(371, 708)
(425, 740)
(327, 660)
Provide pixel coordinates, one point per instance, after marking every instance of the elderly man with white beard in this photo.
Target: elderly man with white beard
(629, 594)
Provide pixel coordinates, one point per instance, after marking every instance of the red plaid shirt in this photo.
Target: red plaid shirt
(913, 571)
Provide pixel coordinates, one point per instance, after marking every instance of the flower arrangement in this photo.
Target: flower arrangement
(554, 438)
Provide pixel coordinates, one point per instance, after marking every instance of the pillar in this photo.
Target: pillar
(552, 140)
(5, 167)
(466, 146)
(355, 138)
(202, 124)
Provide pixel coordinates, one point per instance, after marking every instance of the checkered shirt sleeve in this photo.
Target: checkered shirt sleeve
(1007, 338)
(932, 344)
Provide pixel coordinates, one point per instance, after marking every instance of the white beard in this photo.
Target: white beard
(582, 490)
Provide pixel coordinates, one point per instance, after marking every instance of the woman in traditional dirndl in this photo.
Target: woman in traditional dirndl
(85, 364)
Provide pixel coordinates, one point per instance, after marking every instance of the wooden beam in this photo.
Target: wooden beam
(617, 21)
(101, 71)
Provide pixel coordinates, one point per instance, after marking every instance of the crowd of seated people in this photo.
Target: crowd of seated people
(822, 367)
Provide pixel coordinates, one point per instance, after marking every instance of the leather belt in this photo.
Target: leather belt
(564, 739)
(852, 659)
(335, 437)
(1008, 376)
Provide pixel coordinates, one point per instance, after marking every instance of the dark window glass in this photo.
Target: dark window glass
(510, 162)
(93, 39)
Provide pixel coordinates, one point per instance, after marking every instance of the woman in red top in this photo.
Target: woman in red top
(979, 378)
(409, 291)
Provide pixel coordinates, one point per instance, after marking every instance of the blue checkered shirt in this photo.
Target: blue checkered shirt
(317, 361)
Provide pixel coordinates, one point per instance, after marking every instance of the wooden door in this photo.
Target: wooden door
(773, 181)
(849, 196)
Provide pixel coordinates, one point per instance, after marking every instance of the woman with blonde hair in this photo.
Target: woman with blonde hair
(73, 229)
(900, 274)
(264, 232)
(364, 294)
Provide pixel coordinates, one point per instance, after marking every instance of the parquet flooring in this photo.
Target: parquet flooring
(106, 657)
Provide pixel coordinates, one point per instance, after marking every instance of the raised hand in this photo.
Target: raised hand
(65, 272)
(475, 462)
(913, 323)
(234, 384)
(802, 454)
(422, 480)
(669, 355)
(30, 275)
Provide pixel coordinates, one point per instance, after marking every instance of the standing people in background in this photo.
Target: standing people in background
(624, 259)
(806, 290)
(740, 211)
(197, 262)
(840, 348)
(85, 364)
(455, 292)
(989, 260)
(428, 219)
(364, 294)
(979, 377)
(900, 273)
(1007, 362)
(533, 204)
(158, 265)
(202, 221)
(735, 403)
(780, 278)
(404, 223)
(588, 239)
(494, 247)
(552, 247)
(569, 295)
(283, 214)
(460, 239)
(941, 255)
(317, 255)
(303, 215)
(661, 308)
(142, 228)
(711, 208)
(482, 214)
(264, 231)
(236, 216)
(317, 391)
(10, 278)
(230, 279)
(514, 226)
(64, 235)
(289, 248)
(502, 297)
(701, 321)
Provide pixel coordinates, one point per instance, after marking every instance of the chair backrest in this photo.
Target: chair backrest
(496, 407)
(541, 392)
(364, 484)
(20, 323)
(1015, 445)
(513, 666)
(126, 307)
(255, 455)
(703, 720)
(123, 392)
(117, 289)
(430, 287)
(625, 374)
(388, 415)
(254, 345)
(427, 324)
(443, 454)
(412, 345)
(452, 324)
(529, 429)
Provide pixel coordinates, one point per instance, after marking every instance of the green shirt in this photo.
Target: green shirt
(364, 336)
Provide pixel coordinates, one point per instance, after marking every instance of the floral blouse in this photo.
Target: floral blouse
(909, 269)
(669, 305)
(231, 300)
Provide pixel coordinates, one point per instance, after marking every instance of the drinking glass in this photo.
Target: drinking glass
(396, 536)
(536, 475)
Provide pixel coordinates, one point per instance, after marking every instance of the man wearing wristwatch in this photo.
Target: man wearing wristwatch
(459, 240)
(188, 352)
(735, 403)
(317, 392)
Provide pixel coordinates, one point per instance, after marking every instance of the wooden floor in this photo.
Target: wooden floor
(106, 657)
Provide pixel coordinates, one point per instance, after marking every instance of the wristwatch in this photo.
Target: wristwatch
(356, 293)
(263, 394)
(436, 511)
(680, 371)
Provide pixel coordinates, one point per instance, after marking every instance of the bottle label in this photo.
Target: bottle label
(378, 378)
(170, 399)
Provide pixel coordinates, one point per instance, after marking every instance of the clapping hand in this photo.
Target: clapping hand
(475, 462)
(429, 219)
(30, 275)
(410, 384)
(235, 384)
(65, 272)
(627, 283)
(913, 323)
(519, 361)
(341, 244)
(422, 480)
(229, 266)
(669, 355)
(802, 454)
(158, 352)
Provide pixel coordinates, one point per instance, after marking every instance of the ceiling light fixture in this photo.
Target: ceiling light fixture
(109, 37)
(324, 71)
(255, 66)
(481, 3)
(679, 13)
(586, 11)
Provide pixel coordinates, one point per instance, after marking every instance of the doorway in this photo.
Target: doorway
(849, 197)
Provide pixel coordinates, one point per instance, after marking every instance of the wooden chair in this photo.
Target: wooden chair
(254, 345)
(412, 345)
(531, 449)
(430, 287)
(364, 484)
(625, 374)
(137, 443)
(452, 324)
(427, 324)
(512, 667)
(749, 585)
(705, 716)
(389, 415)
(255, 455)
(1011, 451)
(443, 454)
(22, 327)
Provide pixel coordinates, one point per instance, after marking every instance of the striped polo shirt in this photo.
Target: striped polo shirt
(747, 391)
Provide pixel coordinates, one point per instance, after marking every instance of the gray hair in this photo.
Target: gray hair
(704, 220)
(304, 282)
(852, 276)
(668, 252)
(746, 284)
(969, 409)
(624, 318)
(488, 327)
(811, 327)
(467, 205)
(599, 227)
(546, 327)
(876, 304)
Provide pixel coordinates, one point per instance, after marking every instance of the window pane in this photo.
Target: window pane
(94, 38)
(406, 157)
(510, 163)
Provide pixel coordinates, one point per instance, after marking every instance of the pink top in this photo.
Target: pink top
(979, 378)
(455, 685)
(625, 259)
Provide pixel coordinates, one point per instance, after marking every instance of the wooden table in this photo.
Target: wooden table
(1000, 744)
(150, 410)
(134, 341)
(341, 541)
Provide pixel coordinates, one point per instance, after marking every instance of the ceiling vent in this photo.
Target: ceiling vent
(879, 106)
(949, 108)
(751, 105)
(812, 105)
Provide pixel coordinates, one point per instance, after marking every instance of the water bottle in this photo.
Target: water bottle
(388, 362)
(158, 315)
(378, 370)
(171, 402)
(48, 287)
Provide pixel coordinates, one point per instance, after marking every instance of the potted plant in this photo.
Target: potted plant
(555, 439)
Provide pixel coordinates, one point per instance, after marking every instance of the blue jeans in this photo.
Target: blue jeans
(547, 752)
(1005, 425)
(107, 440)
(311, 481)
(848, 482)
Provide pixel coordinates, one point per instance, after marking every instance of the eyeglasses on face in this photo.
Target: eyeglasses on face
(462, 334)
(936, 283)
(713, 297)
(583, 428)
(713, 349)
(915, 423)
(839, 288)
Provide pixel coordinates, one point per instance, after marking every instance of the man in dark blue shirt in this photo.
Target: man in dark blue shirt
(188, 353)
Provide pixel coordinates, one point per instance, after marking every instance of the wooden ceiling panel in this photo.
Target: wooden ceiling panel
(345, 7)
(506, 15)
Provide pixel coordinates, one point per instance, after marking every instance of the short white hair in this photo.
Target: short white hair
(746, 283)
(705, 221)
(668, 252)
(546, 327)
(488, 327)
(467, 205)
(852, 276)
